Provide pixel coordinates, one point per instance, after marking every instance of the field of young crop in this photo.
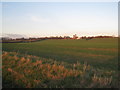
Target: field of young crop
(61, 63)
(28, 71)
(100, 53)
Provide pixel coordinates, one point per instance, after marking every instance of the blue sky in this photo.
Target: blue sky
(60, 18)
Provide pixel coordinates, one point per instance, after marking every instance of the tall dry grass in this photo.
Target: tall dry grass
(34, 72)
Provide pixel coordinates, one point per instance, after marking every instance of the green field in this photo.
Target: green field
(101, 53)
(59, 63)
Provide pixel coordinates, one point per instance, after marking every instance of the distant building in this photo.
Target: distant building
(79, 38)
(75, 36)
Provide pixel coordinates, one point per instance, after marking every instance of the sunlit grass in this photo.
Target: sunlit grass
(28, 71)
(102, 52)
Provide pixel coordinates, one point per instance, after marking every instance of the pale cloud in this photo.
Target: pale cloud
(13, 35)
(39, 19)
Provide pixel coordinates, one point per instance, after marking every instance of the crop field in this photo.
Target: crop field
(59, 63)
(101, 53)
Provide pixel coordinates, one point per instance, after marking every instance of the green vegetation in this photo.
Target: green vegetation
(28, 71)
(61, 63)
(101, 52)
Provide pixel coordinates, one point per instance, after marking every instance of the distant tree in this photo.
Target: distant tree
(66, 37)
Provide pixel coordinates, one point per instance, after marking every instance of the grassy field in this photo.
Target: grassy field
(100, 53)
(28, 71)
(61, 64)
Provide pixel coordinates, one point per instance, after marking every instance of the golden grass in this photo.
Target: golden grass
(31, 74)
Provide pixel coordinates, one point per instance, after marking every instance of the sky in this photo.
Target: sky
(39, 19)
